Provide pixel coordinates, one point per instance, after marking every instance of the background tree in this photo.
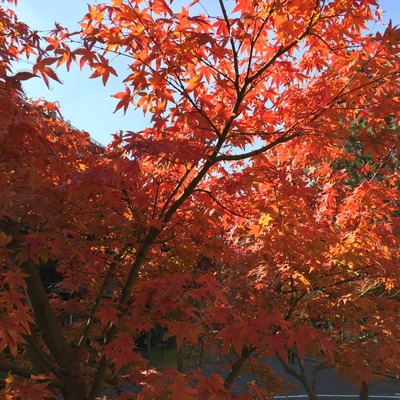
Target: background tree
(249, 108)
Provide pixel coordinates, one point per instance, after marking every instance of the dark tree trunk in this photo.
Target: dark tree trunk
(179, 359)
(236, 367)
(364, 391)
(300, 376)
(67, 366)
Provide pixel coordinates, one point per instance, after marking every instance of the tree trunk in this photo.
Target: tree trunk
(300, 376)
(38, 365)
(236, 367)
(179, 359)
(364, 391)
(68, 366)
(74, 390)
(312, 394)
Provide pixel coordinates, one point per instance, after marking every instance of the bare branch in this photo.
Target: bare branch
(261, 150)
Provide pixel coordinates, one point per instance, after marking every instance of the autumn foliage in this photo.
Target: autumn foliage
(258, 212)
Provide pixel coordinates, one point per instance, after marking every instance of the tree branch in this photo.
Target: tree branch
(289, 370)
(261, 150)
(27, 373)
(283, 49)
(237, 366)
(45, 362)
(220, 204)
(232, 42)
(95, 307)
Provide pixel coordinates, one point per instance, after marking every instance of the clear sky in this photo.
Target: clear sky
(86, 102)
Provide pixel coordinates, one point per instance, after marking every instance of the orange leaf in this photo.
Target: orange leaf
(125, 97)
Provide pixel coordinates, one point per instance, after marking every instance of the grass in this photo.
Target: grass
(192, 358)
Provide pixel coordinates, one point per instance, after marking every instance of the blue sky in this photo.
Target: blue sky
(86, 102)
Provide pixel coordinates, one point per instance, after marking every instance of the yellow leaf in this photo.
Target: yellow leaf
(265, 220)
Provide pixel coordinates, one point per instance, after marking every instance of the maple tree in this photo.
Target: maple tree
(251, 110)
